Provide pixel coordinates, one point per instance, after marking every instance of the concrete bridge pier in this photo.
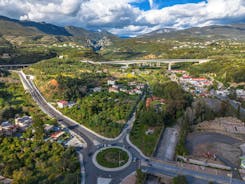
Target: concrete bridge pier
(169, 66)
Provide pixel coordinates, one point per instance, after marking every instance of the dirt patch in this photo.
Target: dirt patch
(54, 83)
(213, 145)
(131, 179)
(229, 126)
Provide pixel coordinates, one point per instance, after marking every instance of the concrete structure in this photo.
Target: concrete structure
(14, 66)
(150, 62)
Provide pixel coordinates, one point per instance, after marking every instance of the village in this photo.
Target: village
(53, 133)
(203, 87)
(112, 86)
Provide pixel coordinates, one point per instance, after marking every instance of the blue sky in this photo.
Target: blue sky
(159, 4)
(127, 17)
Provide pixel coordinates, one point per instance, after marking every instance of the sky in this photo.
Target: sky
(127, 17)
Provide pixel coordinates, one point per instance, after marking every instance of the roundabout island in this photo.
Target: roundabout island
(112, 158)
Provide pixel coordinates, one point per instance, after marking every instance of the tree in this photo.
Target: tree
(179, 180)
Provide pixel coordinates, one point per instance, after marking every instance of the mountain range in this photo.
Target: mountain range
(231, 32)
(15, 31)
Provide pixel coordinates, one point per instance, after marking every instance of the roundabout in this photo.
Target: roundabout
(113, 158)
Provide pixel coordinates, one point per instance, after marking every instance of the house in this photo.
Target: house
(48, 128)
(223, 93)
(97, 89)
(178, 71)
(62, 104)
(154, 98)
(6, 128)
(124, 90)
(56, 135)
(240, 92)
(71, 104)
(149, 131)
(113, 90)
(23, 122)
(111, 82)
(5, 56)
(132, 83)
(61, 57)
(137, 91)
(5, 125)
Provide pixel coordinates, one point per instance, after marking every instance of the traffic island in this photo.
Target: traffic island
(112, 158)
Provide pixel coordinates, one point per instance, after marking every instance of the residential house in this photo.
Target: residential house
(150, 131)
(48, 128)
(62, 104)
(56, 135)
(240, 92)
(71, 104)
(7, 128)
(223, 93)
(113, 90)
(23, 122)
(97, 89)
(5, 56)
(111, 82)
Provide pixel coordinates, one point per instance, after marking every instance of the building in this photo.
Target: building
(178, 71)
(7, 128)
(97, 89)
(113, 90)
(149, 131)
(62, 104)
(61, 57)
(154, 98)
(5, 56)
(223, 93)
(23, 122)
(71, 104)
(48, 128)
(56, 135)
(111, 82)
(240, 93)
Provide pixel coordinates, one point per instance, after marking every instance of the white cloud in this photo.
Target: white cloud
(151, 3)
(121, 17)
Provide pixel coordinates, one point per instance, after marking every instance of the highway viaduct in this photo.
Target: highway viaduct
(151, 62)
(14, 66)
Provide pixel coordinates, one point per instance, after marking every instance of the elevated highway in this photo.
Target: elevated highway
(150, 62)
(14, 66)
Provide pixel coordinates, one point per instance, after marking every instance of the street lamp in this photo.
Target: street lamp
(231, 178)
(119, 159)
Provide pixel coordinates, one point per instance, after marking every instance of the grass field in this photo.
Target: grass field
(112, 158)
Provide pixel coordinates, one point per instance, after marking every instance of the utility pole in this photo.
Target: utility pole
(231, 178)
(119, 159)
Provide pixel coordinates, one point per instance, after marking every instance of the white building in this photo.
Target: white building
(223, 93)
(62, 104)
(240, 92)
(111, 82)
(97, 89)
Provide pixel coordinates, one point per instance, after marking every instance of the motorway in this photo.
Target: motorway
(95, 141)
(164, 61)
